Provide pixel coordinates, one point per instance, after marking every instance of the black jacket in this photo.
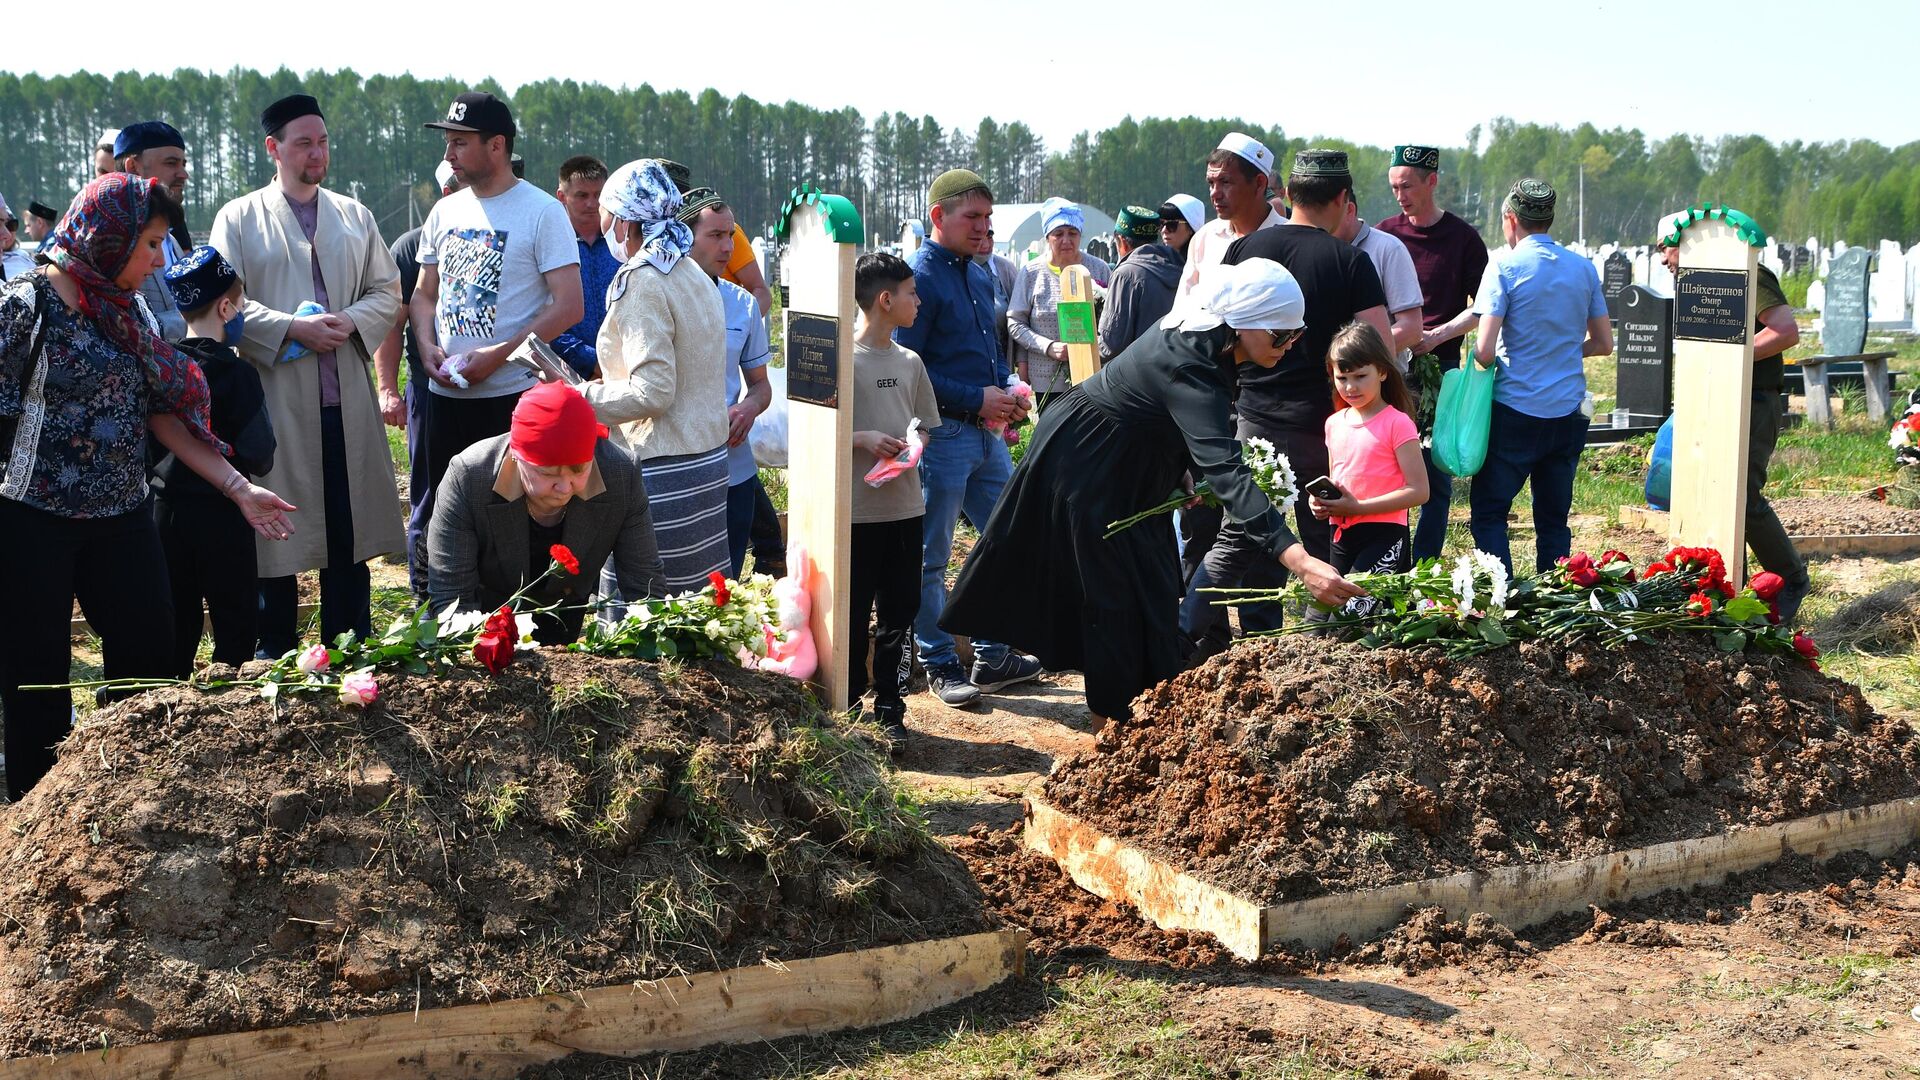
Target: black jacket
(1139, 296)
(239, 419)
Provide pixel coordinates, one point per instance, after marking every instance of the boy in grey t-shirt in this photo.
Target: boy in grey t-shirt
(890, 389)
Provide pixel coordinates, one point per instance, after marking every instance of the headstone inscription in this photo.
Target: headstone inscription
(1844, 332)
(1643, 355)
(1614, 279)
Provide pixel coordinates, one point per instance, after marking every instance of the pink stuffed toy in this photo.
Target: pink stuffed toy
(790, 648)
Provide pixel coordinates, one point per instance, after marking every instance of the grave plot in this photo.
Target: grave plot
(1298, 790)
(472, 875)
(1824, 524)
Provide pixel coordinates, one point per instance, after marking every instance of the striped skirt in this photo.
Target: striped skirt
(687, 498)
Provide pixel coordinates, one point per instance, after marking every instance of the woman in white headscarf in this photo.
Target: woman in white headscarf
(1043, 578)
(663, 382)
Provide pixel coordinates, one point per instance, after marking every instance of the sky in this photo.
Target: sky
(1378, 72)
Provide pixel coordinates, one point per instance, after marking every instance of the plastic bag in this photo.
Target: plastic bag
(1660, 468)
(1018, 388)
(768, 437)
(295, 350)
(1462, 418)
(886, 470)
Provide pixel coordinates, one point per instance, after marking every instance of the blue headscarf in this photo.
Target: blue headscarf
(1056, 212)
(641, 193)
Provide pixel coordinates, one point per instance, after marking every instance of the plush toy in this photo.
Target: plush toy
(790, 648)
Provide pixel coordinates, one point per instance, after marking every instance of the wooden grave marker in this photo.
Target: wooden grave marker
(1713, 298)
(1076, 323)
(823, 234)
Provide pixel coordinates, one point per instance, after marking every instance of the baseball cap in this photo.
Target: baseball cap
(477, 110)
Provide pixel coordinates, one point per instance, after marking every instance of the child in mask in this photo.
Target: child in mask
(209, 545)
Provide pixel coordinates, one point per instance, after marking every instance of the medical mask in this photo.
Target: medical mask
(232, 328)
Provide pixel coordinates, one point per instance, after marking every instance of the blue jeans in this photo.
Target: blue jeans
(963, 468)
(1430, 532)
(1522, 448)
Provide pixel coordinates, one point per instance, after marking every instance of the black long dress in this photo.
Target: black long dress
(1042, 577)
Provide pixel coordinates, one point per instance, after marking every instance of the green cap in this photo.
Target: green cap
(1417, 157)
(1137, 223)
(697, 200)
(956, 182)
(1532, 199)
(1320, 162)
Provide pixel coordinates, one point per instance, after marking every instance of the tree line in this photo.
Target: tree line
(754, 152)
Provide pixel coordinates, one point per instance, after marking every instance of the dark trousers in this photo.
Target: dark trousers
(1371, 547)
(1765, 535)
(346, 586)
(210, 561)
(1198, 528)
(1522, 448)
(742, 505)
(1430, 531)
(453, 424)
(419, 478)
(116, 569)
(1236, 560)
(769, 546)
(886, 582)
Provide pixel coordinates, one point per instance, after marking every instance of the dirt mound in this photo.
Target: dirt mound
(1289, 768)
(1843, 515)
(1428, 940)
(200, 863)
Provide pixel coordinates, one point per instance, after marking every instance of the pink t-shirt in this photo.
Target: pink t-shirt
(1363, 461)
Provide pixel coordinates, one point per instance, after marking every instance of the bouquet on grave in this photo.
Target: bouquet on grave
(1272, 474)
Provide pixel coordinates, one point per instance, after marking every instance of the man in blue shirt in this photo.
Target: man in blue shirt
(964, 466)
(1542, 313)
(581, 178)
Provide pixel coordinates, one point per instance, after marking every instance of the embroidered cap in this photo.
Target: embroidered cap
(1417, 157)
(43, 211)
(146, 135)
(1532, 199)
(698, 199)
(201, 277)
(1137, 223)
(1321, 162)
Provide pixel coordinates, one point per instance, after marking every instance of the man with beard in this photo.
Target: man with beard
(1141, 292)
(155, 149)
(293, 241)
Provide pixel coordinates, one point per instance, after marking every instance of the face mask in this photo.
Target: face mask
(231, 329)
(618, 249)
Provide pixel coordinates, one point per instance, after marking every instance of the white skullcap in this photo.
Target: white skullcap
(443, 175)
(108, 138)
(1668, 223)
(1250, 148)
(1258, 294)
(1190, 208)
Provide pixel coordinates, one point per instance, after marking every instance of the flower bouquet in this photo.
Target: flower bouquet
(1272, 473)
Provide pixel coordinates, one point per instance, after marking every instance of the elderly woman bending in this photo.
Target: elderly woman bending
(664, 390)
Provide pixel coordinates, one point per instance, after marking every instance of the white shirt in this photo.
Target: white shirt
(1209, 248)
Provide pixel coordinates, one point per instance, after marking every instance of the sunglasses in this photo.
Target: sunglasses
(1165, 225)
(1282, 337)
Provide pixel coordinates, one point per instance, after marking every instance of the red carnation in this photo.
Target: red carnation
(1803, 644)
(719, 582)
(1659, 568)
(1700, 604)
(565, 557)
(1766, 584)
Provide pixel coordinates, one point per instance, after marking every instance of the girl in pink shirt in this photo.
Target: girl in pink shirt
(1375, 456)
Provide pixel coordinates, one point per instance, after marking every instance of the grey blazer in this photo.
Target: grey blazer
(477, 541)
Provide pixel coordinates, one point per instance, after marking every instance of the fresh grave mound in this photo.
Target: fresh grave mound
(208, 862)
(1293, 767)
(1844, 515)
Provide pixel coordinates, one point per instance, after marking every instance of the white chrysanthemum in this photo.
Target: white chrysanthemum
(1497, 575)
(1272, 472)
(1463, 584)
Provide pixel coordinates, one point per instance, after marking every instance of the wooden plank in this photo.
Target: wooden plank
(1825, 544)
(1712, 401)
(820, 441)
(479, 1042)
(1522, 896)
(1519, 896)
(1083, 351)
(1170, 899)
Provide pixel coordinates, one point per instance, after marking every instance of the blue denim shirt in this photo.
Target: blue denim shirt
(954, 333)
(1544, 295)
(597, 267)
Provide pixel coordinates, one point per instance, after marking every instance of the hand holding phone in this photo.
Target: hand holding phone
(1323, 487)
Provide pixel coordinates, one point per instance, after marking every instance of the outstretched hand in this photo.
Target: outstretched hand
(265, 511)
(1321, 579)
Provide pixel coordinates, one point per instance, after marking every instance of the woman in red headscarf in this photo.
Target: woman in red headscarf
(83, 378)
(553, 478)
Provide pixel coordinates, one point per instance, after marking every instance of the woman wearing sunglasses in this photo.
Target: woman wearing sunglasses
(1043, 577)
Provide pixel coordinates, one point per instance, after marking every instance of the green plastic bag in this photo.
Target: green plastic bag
(1462, 418)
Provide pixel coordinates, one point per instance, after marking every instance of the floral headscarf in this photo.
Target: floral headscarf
(92, 244)
(640, 192)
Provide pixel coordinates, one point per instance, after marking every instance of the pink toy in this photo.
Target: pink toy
(790, 648)
(1018, 387)
(884, 471)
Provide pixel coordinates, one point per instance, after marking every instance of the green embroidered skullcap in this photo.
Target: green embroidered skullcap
(698, 199)
(1320, 162)
(1137, 223)
(1531, 199)
(957, 182)
(681, 176)
(1417, 157)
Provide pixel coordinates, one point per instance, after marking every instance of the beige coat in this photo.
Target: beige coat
(262, 239)
(663, 357)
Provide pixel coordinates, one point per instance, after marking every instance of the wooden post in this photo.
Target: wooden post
(823, 234)
(1713, 381)
(1813, 373)
(1077, 324)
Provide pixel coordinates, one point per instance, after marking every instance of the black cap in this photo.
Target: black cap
(519, 166)
(287, 110)
(147, 135)
(43, 211)
(477, 110)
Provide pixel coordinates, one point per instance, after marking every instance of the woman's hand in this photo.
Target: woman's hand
(264, 510)
(1345, 506)
(1057, 350)
(1322, 581)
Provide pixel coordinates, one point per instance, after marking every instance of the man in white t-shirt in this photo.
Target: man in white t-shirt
(1238, 174)
(1390, 259)
(498, 261)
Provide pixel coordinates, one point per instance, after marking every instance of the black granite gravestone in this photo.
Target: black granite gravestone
(1643, 355)
(1845, 316)
(1615, 276)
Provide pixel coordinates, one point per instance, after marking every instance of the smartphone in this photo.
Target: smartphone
(1323, 488)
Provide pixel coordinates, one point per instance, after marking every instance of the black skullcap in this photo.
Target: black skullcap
(144, 136)
(287, 110)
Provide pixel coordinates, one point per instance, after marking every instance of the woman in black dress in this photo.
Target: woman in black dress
(1043, 578)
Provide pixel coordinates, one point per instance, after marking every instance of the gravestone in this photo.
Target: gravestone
(1817, 296)
(1643, 355)
(1614, 279)
(1713, 310)
(1887, 288)
(1844, 306)
(823, 234)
